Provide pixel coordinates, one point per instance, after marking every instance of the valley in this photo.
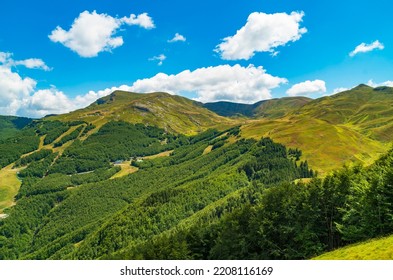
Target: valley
(157, 176)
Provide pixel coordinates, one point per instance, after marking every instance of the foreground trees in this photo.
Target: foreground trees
(238, 201)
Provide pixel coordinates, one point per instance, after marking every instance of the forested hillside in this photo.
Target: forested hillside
(93, 185)
(9, 126)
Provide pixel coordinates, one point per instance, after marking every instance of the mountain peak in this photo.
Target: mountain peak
(362, 86)
(172, 112)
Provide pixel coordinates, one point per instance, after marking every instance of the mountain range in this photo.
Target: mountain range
(164, 177)
(358, 121)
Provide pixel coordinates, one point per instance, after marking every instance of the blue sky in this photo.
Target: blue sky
(61, 55)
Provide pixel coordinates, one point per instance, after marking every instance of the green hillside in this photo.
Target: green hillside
(352, 126)
(273, 108)
(157, 176)
(173, 113)
(10, 125)
(375, 249)
(366, 109)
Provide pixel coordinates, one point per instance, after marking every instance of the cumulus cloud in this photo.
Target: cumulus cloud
(13, 89)
(262, 33)
(142, 20)
(363, 48)
(386, 84)
(307, 87)
(92, 33)
(177, 38)
(160, 58)
(31, 63)
(20, 96)
(45, 102)
(223, 82)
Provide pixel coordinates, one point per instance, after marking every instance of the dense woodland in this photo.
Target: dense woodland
(240, 200)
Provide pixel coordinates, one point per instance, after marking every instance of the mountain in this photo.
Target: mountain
(368, 110)
(157, 176)
(272, 108)
(171, 112)
(10, 125)
(351, 126)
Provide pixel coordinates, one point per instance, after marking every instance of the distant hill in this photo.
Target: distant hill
(369, 110)
(351, 126)
(171, 112)
(119, 180)
(9, 125)
(272, 108)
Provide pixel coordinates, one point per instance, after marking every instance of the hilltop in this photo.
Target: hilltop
(273, 108)
(157, 176)
(171, 112)
(351, 126)
(358, 123)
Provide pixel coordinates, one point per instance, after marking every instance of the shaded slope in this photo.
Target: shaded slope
(273, 108)
(10, 125)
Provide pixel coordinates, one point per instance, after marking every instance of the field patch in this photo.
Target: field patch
(9, 186)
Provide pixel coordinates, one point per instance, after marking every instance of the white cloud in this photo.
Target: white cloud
(82, 101)
(92, 33)
(340, 89)
(307, 87)
(5, 57)
(45, 102)
(223, 82)
(160, 59)
(386, 84)
(262, 33)
(363, 48)
(31, 63)
(13, 89)
(177, 38)
(142, 20)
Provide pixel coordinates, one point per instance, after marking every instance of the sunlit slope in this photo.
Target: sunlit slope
(376, 249)
(352, 126)
(9, 186)
(175, 113)
(366, 109)
(324, 145)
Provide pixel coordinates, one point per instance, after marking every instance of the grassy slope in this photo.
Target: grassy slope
(175, 113)
(9, 182)
(276, 108)
(325, 146)
(9, 186)
(356, 125)
(351, 126)
(376, 249)
(368, 110)
(273, 108)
